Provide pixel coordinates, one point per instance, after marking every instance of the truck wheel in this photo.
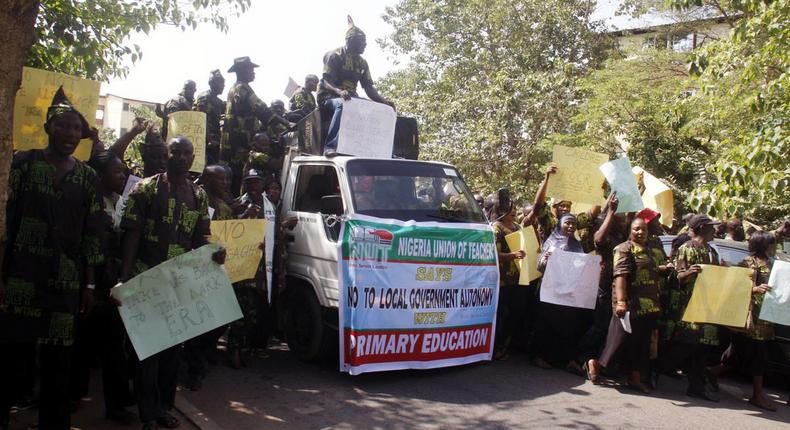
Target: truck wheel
(304, 329)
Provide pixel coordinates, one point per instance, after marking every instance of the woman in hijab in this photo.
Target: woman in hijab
(559, 327)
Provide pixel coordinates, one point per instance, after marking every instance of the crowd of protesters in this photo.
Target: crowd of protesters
(67, 245)
(638, 281)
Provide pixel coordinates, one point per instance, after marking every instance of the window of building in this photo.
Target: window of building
(683, 42)
(123, 131)
(126, 107)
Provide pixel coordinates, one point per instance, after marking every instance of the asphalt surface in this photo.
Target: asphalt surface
(276, 391)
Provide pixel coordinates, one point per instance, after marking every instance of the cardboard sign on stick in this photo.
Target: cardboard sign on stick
(721, 296)
(526, 240)
(241, 238)
(191, 125)
(578, 178)
(367, 129)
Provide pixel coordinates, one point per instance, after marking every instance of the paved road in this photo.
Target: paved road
(278, 392)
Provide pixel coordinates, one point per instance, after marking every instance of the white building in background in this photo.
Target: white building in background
(679, 37)
(115, 112)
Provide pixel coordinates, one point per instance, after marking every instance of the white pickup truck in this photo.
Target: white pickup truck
(320, 191)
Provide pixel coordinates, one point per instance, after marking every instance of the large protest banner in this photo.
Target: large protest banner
(242, 239)
(35, 96)
(578, 178)
(657, 196)
(619, 175)
(191, 125)
(776, 304)
(367, 129)
(571, 279)
(175, 301)
(526, 240)
(415, 295)
(721, 296)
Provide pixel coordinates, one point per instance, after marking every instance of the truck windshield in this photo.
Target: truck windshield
(411, 191)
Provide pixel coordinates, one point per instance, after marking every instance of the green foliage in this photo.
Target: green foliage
(133, 155)
(490, 80)
(89, 38)
(638, 102)
(107, 136)
(745, 107)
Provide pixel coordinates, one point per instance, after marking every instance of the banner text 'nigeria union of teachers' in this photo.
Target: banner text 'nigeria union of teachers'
(415, 295)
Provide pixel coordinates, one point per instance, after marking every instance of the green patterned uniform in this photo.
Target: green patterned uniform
(508, 270)
(689, 254)
(168, 228)
(640, 265)
(302, 101)
(344, 71)
(210, 104)
(244, 115)
(54, 231)
(761, 330)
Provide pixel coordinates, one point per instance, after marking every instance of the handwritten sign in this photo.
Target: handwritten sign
(571, 279)
(367, 129)
(175, 301)
(241, 238)
(657, 196)
(526, 240)
(191, 125)
(270, 213)
(721, 296)
(35, 96)
(776, 304)
(578, 178)
(621, 179)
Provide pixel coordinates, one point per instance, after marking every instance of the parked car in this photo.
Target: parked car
(733, 253)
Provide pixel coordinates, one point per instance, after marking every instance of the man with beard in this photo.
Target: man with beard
(166, 216)
(53, 241)
(209, 103)
(343, 68)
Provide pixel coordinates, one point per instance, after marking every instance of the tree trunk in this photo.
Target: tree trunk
(18, 20)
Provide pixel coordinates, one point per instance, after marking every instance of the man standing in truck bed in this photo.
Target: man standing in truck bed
(343, 68)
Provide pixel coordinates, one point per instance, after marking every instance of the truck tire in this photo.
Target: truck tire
(304, 327)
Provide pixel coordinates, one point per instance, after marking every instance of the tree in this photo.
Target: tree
(744, 106)
(87, 38)
(637, 103)
(490, 80)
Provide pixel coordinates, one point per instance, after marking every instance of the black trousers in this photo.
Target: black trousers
(511, 310)
(558, 332)
(198, 349)
(54, 373)
(691, 357)
(631, 350)
(594, 338)
(155, 384)
(747, 354)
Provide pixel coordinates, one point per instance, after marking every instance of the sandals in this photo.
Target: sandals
(592, 376)
(765, 407)
(168, 421)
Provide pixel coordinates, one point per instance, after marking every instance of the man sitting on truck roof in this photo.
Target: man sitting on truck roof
(343, 68)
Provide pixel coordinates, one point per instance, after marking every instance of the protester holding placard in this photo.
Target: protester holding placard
(548, 215)
(640, 270)
(48, 254)
(690, 341)
(559, 327)
(613, 230)
(166, 216)
(749, 348)
(511, 298)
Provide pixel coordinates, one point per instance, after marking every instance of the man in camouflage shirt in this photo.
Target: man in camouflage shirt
(209, 103)
(245, 114)
(344, 68)
(183, 101)
(302, 102)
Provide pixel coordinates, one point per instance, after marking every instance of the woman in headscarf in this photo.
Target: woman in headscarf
(640, 269)
(748, 348)
(558, 332)
(511, 303)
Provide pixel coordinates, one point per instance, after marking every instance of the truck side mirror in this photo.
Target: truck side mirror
(332, 204)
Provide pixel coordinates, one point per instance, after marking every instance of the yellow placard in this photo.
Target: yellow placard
(241, 238)
(657, 196)
(35, 96)
(526, 240)
(191, 125)
(578, 178)
(721, 296)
